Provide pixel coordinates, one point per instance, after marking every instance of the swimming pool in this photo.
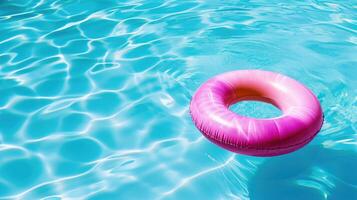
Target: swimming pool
(95, 95)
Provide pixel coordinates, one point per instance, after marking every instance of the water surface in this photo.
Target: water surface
(95, 94)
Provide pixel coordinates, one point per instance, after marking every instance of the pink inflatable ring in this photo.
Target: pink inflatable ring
(302, 116)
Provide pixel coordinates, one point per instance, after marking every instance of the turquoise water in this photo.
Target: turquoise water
(95, 94)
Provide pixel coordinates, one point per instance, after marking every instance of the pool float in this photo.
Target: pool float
(300, 121)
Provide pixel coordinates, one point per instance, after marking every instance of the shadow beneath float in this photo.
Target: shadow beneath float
(311, 173)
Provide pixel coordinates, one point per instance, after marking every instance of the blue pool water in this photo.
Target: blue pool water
(95, 94)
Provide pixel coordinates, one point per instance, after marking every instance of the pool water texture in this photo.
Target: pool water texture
(95, 96)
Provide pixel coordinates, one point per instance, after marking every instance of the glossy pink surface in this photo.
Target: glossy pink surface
(301, 120)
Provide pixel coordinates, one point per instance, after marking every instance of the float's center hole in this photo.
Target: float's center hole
(255, 109)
